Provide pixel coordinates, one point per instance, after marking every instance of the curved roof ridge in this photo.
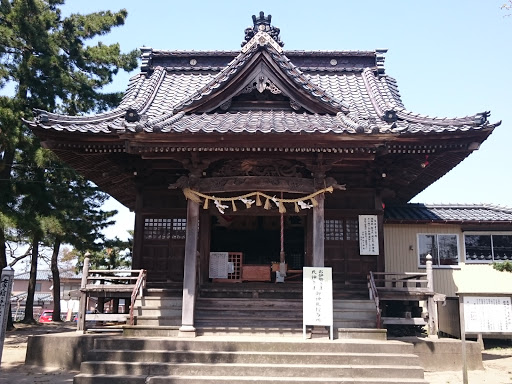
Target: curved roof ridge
(222, 77)
(371, 85)
(49, 118)
(150, 92)
(292, 72)
(474, 120)
(298, 77)
(382, 107)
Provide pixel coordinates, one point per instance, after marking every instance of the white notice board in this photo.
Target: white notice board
(486, 314)
(368, 235)
(317, 297)
(219, 265)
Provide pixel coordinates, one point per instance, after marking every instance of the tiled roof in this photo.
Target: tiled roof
(38, 297)
(447, 213)
(168, 87)
(41, 275)
(46, 274)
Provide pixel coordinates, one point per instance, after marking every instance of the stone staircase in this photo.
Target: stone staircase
(221, 308)
(158, 307)
(281, 360)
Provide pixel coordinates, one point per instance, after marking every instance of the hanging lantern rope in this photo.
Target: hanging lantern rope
(299, 203)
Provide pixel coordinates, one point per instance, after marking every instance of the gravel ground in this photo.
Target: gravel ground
(497, 359)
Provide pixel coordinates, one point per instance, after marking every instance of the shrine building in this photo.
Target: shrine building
(247, 165)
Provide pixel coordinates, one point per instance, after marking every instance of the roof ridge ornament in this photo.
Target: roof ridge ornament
(262, 24)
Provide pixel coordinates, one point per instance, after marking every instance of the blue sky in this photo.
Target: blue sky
(450, 58)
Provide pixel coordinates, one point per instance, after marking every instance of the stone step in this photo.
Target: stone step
(236, 343)
(314, 369)
(160, 301)
(102, 358)
(238, 359)
(355, 323)
(157, 320)
(157, 311)
(133, 379)
(354, 304)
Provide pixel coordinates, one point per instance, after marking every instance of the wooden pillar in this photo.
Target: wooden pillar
(83, 298)
(187, 328)
(318, 232)
(431, 304)
(138, 231)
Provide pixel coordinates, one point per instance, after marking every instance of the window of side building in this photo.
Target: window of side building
(444, 249)
(487, 247)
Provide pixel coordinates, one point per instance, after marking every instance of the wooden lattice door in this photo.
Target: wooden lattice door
(164, 248)
(342, 251)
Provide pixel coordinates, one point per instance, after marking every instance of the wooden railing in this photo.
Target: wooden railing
(374, 295)
(139, 286)
(113, 284)
(406, 286)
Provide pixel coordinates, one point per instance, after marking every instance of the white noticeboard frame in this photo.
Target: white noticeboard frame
(368, 235)
(483, 313)
(317, 298)
(219, 265)
(487, 314)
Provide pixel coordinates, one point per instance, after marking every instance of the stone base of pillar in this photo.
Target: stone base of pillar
(187, 331)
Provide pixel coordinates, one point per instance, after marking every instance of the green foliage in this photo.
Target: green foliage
(110, 254)
(53, 66)
(505, 266)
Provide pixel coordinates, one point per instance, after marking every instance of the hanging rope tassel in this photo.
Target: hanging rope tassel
(205, 206)
(190, 195)
(233, 205)
(258, 200)
(297, 209)
(267, 204)
(282, 208)
(314, 202)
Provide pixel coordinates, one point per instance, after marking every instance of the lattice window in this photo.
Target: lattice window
(164, 229)
(157, 229)
(179, 227)
(333, 230)
(341, 229)
(352, 232)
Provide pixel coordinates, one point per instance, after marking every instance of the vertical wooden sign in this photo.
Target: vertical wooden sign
(317, 298)
(368, 235)
(5, 303)
(219, 265)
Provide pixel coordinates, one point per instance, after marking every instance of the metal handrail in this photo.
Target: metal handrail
(374, 294)
(141, 282)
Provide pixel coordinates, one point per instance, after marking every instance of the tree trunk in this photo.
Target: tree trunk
(3, 264)
(56, 280)
(29, 305)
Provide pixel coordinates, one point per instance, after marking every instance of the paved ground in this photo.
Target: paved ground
(497, 359)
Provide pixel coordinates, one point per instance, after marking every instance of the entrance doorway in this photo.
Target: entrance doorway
(258, 238)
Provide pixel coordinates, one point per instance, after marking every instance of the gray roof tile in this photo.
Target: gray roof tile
(159, 95)
(459, 213)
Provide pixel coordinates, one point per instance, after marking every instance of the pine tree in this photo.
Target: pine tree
(47, 58)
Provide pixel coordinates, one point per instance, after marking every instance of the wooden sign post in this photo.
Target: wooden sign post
(5, 303)
(317, 298)
(483, 313)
